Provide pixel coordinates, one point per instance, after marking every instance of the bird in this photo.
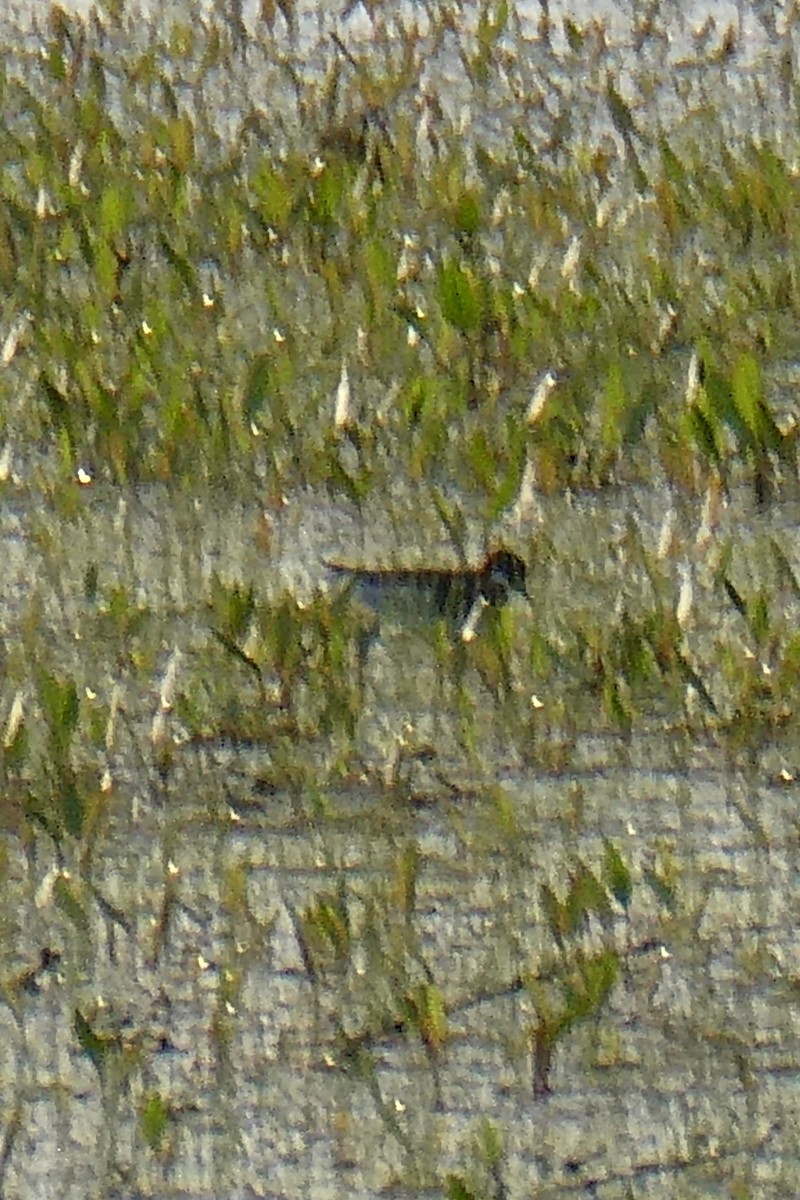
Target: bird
(457, 593)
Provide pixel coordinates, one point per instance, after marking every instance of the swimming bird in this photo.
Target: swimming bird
(457, 593)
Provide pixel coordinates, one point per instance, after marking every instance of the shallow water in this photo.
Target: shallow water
(682, 1085)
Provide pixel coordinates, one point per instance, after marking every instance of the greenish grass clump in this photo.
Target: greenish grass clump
(183, 283)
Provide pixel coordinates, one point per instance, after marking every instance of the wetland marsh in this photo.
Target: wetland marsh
(301, 901)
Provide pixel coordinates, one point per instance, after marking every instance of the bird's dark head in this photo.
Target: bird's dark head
(503, 573)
